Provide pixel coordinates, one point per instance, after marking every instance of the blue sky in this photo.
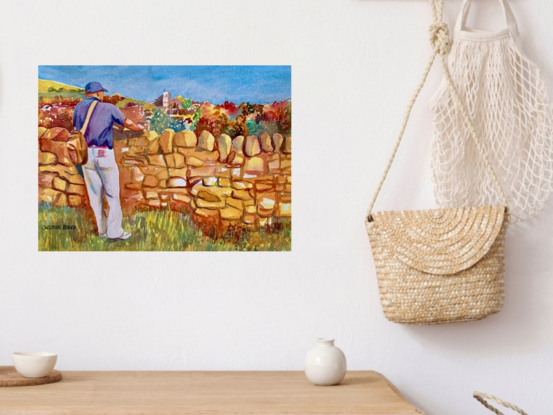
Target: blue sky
(217, 84)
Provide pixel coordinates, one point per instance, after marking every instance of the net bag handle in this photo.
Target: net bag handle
(441, 45)
(510, 19)
(481, 397)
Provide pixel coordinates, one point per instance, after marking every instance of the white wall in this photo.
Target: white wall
(355, 64)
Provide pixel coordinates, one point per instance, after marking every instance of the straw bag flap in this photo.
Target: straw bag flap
(439, 241)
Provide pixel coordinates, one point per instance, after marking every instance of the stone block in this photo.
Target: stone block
(175, 160)
(238, 160)
(287, 147)
(264, 187)
(137, 175)
(249, 219)
(218, 192)
(254, 165)
(267, 202)
(59, 184)
(150, 181)
(166, 141)
(202, 203)
(162, 175)
(203, 171)
(241, 194)
(45, 179)
(74, 201)
(207, 213)
(45, 158)
(278, 140)
(73, 178)
(230, 213)
(176, 182)
(151, 170)
(61, 201)
(235, 203)
(223, 182)
(210, 181)
(209, 196)
(252, 146)
(153, 146)
(223, 171)
(133, 186)
(47, 195)
(194, 161)
(204, 155)
(177, 172)
(154, 203)
(266, 142)
(142, 141)
(185, 139)
(236, 173)
(206, 141)
(224, 145)
(181, 197)
(157, 160)
(59, 148)
(285, 164)
(151, 194)
(284, 210)
(238, 144)
(274, 166)
(76, 189)
(242, 185)
(56, 134)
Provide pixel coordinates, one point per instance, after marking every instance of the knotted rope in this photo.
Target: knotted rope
(439, 38)
(441, 45)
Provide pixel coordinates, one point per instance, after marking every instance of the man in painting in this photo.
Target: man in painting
(101, 173)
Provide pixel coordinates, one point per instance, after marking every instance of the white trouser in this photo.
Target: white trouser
(101, 175)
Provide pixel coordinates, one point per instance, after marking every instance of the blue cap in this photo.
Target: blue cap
(93, 87)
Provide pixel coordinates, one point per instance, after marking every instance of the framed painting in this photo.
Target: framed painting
(175, 158)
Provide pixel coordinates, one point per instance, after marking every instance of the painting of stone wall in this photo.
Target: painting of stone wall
(221, 180)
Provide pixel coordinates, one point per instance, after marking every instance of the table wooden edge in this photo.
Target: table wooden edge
(97, 376)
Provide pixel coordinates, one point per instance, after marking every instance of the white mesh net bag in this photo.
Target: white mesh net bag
(508, 103)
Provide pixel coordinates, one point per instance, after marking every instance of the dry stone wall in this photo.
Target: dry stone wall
(59, 182)
(220, 183)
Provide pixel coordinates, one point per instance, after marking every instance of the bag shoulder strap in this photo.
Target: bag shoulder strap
(88, 115)
(481, 397)
(441, 45)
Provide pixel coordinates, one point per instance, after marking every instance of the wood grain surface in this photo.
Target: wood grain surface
(214, 393)
(10, 377)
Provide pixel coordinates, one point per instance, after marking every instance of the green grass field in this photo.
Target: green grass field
(163, 230)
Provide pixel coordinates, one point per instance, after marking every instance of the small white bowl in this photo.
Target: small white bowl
(34, 364)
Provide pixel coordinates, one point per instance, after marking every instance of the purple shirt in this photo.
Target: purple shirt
(98, 133)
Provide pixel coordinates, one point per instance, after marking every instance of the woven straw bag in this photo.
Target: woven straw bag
(442, 265)
(483, 397)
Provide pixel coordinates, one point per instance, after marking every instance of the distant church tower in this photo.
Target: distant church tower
(166, 99)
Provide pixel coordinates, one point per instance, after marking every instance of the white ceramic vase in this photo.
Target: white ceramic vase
(325, 364)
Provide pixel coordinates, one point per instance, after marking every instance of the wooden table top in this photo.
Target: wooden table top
(213, 393)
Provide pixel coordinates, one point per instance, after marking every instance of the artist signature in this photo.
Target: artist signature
(58, 227)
